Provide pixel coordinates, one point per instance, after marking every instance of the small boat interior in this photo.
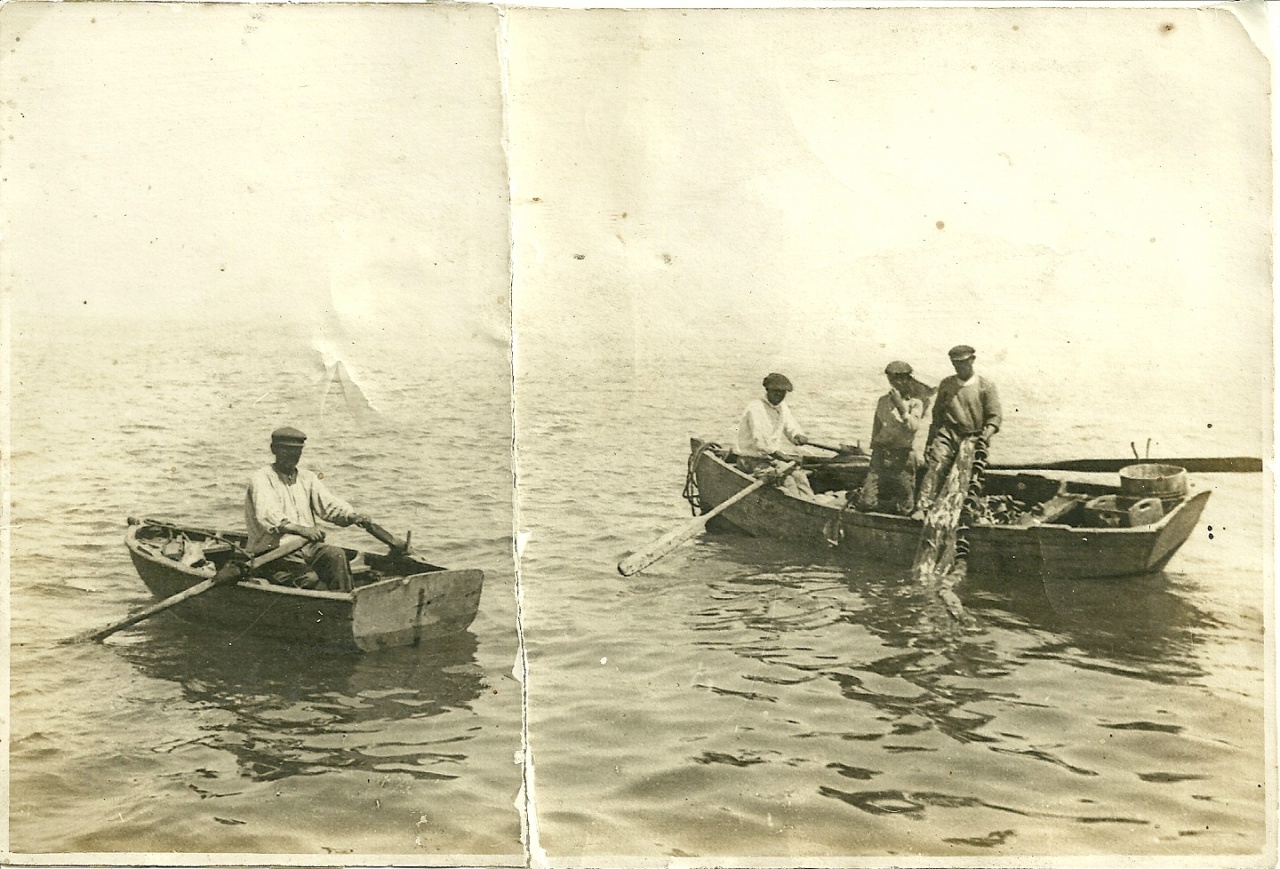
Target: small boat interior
(1008, 498)
(206, 551)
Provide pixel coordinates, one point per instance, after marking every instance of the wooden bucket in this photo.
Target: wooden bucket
(1153, 481)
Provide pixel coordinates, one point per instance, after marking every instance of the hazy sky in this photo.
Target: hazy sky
(336, 165)
(1073, 191)
(1077, 192)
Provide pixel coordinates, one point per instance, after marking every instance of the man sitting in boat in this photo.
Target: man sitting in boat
(285, 499)
(766, 433)
(891, 482)
(967, 406)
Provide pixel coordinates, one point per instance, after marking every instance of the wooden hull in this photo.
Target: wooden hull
(1048, 550)
(424, 603)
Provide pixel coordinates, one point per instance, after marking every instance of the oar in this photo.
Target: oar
(638, 561)
(1212, 465)
(230, 572)
(841, 450)
(395, 544)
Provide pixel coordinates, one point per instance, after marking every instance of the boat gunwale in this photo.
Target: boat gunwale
(1054, 527)
(259, 584)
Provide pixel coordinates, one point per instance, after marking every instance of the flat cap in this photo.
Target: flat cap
(288, 435)
(777, 381)
(897, 368)
(961, 351)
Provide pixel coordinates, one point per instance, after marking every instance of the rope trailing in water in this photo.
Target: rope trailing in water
(691, 493)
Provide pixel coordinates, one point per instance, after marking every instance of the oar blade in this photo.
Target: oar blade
(638, 561)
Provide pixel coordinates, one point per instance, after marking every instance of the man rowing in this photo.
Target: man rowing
(967, 406)
(890, 486)
(767, 432)
(284, 499)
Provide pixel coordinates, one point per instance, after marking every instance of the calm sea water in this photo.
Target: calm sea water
(170, 739)
(740, 697)
(744, 697)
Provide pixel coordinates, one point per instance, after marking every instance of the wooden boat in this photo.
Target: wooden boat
(1055, 538)
(398, 600)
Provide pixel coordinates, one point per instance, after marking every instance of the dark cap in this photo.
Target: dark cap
(961, 352)
(288, 436)
(777, 381)
(895, 368)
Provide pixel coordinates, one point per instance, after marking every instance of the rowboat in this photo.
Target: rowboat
(1060, 535)
(398, 600)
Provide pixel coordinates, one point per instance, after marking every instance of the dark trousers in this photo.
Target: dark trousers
(891, 482)
(316, 565)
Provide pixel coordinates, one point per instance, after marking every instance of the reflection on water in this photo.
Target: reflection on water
(921, 680)
(1141, 626)
(1137, 626)
(287, 710)
(760, 697)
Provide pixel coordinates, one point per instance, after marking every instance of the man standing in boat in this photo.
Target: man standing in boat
(967, 406)
(285, 499)
(767, 432)
(891, 482)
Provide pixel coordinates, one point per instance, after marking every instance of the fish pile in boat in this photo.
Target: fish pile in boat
(998, 510)
(984, 509)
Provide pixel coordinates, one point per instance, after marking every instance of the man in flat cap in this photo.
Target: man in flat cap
(891, 483)
(285, 499)
(967, 406)
(768, 431)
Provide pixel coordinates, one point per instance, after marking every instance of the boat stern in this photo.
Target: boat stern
(405, 611)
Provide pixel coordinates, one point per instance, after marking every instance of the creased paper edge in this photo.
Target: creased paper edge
(534, 856)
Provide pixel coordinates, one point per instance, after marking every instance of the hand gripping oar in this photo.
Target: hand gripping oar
(230, 572)
(638, 561)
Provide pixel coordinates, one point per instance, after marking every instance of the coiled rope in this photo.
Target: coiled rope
(691, 493)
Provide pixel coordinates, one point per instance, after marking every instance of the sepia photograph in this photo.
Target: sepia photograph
(260, 558)
(894, 427)
(482, 435)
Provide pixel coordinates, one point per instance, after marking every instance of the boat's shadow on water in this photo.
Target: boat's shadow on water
(1137, 625)
(286, 710)
(908, 672)
(1142, 623)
